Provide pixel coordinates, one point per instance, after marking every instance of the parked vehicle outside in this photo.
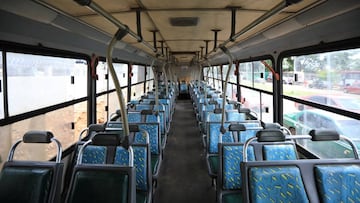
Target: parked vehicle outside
(303, 121)
(342, 102)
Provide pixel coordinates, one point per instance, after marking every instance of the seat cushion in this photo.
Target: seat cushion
(232, 198)
(214, 164)
(141, 196)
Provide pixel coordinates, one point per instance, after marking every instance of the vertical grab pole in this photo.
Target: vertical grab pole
(156, 88)
(166, 80)
(118, 35)
(230, 58)
(207, 81)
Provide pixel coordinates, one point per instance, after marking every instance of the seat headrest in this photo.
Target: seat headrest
(324, 135)
(270, 135)
(244, 110)
(236, 127)
(106, 139)
(37, 136)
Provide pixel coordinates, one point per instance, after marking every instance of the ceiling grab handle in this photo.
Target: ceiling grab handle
(101, 11)
(156, 85)
(118, 35)
(166, 80)
(207, 81)
(230, 58)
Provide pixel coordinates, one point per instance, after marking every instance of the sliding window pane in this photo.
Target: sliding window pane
(36, 82)
(1, 89)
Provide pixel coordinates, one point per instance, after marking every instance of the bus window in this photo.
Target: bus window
(1, 88)
(331, 79)
(44, 79)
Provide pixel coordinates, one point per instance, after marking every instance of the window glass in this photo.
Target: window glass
(101, 82)
(232, 76)
(331, 78)
(59, 122)
(122, 74)
(137, 91)
(114, 101)
(149, 85)
(259, 103)
(138, 74)
(1, 89)
(302, 120)
(44, 79)
(257, 74)
(101, 113)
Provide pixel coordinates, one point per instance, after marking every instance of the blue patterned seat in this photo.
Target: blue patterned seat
(134, 117)
(338, 183)
(276, 184)
(229, 178)
(234, 115)
(153, 130)
(212, 155)
(279, 152)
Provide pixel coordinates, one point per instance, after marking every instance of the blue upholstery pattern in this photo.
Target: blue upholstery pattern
(209, 107)
(279, 152)
(245, 135)
(232, 156)
(140, 107)
(140, 163)
(152, 118)
(94, 155)
(214, 117)
(276, 184)
(214, 132)
(338, 183)
(235, 116)
(134, 117)
(154, 136)
(140, 138)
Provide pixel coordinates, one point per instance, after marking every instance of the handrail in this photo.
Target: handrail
(98, 9)
(166, 80)
(279, 7)
(230, 58)
(118, 89)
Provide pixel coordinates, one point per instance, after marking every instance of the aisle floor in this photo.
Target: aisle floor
(183, 175)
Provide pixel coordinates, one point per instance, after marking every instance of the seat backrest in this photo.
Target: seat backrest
(338, 183)
(235, 116)
(230, 157)
(280, 151)
(280, 183)
(142, 160)
(117, 183)
(213, 136)
(134, 116)
(32, 181)
(102, 183)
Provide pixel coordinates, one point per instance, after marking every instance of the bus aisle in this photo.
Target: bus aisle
(183, 175)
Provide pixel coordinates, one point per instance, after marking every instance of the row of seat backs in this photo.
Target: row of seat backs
(306, 180)
(238, 131)
(303, 180)
(216, 116)
(231, 155)
(155, 143)
(149, 113)
(32, 181)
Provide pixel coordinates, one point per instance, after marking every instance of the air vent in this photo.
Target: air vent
(184, 21)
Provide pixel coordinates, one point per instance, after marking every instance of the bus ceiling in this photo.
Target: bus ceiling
(185, 32)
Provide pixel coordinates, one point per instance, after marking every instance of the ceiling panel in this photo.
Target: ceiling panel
(155, 15)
